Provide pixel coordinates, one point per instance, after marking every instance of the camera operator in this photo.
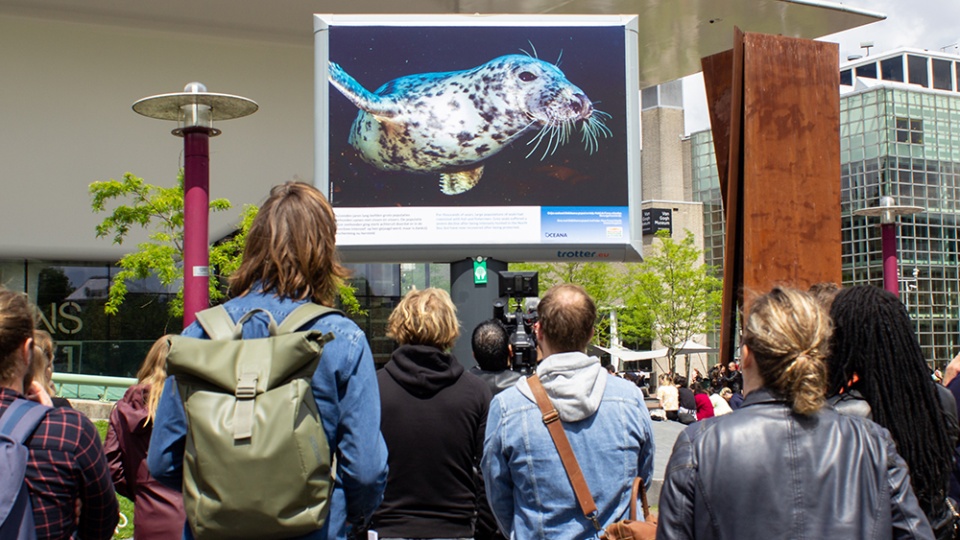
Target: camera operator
(493, 353)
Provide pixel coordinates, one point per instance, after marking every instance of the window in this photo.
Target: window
(891, 69)
(846, 77)
(942, 79)
(917, 66)
(909, 130)
(867, 71)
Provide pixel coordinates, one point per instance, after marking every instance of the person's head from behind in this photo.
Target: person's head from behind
(726, 393)
(785, 339)
(824, 292)
(16, 337)
(42, 366)
(491, 346)
(680, 381)
(567, 316)
(153, 372)
(874, 340)
(425, 317)
(290, 249)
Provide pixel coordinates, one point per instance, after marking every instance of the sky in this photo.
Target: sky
(921, 24)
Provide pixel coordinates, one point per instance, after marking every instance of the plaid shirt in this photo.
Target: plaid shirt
(66, 465)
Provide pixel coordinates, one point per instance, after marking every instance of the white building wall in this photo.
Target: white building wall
(66, 91)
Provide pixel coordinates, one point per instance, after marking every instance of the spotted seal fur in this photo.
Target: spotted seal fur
(450, 122)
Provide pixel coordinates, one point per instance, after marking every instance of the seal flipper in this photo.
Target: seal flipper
(458, 182)
(360, 96)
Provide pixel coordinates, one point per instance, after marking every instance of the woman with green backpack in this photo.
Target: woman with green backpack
(289, 264)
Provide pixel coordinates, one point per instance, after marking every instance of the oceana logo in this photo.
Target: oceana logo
(555, 235)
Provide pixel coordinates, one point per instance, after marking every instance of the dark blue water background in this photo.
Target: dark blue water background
(593, 59)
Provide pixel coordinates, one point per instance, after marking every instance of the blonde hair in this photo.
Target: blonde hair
(291, 248)
(42, 365)
(16, 327)
(426, 317)
(153, 374)
(788, 332)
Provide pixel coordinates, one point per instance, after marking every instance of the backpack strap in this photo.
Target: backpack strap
(302, 315)
(21, 419)
(551, 418)
(219, 324)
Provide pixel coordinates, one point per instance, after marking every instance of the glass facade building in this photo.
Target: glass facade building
(899, 136)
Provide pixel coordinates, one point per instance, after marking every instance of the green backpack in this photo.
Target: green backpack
(257, 461)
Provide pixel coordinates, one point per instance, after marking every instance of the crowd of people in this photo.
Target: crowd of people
(830, 425)
(702, 397)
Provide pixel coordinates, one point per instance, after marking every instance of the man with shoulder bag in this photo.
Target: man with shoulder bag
(602, 418)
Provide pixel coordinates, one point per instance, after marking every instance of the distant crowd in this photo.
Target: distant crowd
(267, 418)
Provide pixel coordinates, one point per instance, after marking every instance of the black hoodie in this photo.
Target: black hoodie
(433, 420)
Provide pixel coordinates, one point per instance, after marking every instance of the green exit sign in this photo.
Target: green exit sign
(479, 271)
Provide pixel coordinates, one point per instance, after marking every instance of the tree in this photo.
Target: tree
(677, 294)
(160, 211)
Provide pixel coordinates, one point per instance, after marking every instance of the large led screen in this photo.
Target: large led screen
(455, 136)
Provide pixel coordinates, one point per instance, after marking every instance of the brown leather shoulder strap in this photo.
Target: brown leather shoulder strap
(552, 420)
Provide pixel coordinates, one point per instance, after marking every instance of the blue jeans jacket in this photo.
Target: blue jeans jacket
(345, 387)
(527, 487)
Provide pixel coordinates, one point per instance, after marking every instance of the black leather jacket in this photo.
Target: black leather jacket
(853, 403)
(765, 472)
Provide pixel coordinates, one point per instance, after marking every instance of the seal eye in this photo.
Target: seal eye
(526, 76)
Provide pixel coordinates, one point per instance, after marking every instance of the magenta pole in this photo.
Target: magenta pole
(196, 222)
(891, 278)
(195, 111)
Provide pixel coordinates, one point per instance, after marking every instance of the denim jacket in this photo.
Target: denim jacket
(526, 484)
(345, 387)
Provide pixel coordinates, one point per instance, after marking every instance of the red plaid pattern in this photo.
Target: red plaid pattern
(67, 465)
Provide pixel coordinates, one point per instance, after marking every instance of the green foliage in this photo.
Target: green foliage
(678, 296)
(670, 296)
(160, 211)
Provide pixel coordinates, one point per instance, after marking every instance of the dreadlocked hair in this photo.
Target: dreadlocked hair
(787, 333)
(874, 340)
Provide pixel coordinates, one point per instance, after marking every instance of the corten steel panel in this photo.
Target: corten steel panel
(782, 190)
(718, 82)
(733, 205)
(791, 163)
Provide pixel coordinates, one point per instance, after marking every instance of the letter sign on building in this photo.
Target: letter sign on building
(657, 219)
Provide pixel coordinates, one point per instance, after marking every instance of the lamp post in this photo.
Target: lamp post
(614, 334)
(888, 211)
(195, 110)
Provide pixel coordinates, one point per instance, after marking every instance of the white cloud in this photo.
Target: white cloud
(921, 24)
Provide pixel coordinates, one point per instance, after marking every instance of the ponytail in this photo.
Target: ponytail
(788, 332)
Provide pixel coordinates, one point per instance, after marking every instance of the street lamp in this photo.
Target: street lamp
(195, 110)
(887, 211)
(614, 333)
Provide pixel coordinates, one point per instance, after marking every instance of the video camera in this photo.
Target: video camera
(517, 318)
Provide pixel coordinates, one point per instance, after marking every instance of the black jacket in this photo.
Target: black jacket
(433, 420)
(853, 403)
(765, 472)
